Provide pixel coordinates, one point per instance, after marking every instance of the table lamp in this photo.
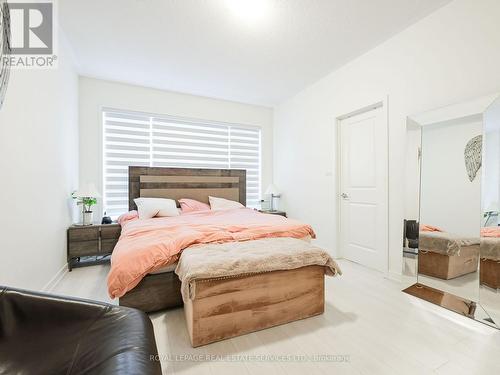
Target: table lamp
(274, 193)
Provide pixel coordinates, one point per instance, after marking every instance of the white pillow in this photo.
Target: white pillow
(220, 204)
(151, 207)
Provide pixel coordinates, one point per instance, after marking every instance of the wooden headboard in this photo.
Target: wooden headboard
(177, 183)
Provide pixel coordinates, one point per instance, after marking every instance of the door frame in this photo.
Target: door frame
(384, 104)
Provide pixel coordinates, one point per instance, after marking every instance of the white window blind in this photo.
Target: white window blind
(163, 141)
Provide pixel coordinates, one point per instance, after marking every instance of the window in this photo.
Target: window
(163, 141)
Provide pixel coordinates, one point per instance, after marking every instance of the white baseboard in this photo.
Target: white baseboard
(50, 286)
(393, 276)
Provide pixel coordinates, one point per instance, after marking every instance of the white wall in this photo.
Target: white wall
(490, 182)
(39, 164)
(450, 56)
(448, 199)
(95, 94)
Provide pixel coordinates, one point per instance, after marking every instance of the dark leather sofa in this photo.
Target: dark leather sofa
(45, 334)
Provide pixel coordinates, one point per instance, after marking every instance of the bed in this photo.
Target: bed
(447, 256)
(235, 288)
(489, 274)
(161, 288)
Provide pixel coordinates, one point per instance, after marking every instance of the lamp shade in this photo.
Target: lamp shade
(272, 190)
(492, 207)
(87, 191)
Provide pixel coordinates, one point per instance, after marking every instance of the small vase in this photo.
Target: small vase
(88, 218)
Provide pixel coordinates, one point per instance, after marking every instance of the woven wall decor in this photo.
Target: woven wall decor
(473, 156)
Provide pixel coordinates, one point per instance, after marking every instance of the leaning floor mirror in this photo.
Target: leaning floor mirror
(451, 250)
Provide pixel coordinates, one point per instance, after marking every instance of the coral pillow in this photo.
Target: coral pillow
(221, 204)
(490, 232)
(131, 215)
(192, 205)
(429, 228)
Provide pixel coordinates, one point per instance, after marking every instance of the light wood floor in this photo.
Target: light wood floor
(367, 318)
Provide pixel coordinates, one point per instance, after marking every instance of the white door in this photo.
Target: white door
(363, 189)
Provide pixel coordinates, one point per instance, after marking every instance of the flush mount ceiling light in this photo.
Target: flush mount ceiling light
(251, 12)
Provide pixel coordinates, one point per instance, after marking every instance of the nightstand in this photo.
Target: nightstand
(96, 241)
(281, 213)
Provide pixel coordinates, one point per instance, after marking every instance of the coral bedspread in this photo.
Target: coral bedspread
(148, 245)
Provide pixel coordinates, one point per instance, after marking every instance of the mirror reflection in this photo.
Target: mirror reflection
(454, 242)
(490, 231)
(450, 201)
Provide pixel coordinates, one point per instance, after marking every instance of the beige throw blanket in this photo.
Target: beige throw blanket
(249, 257)
(444, 243)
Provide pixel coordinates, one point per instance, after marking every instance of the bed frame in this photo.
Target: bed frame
(489, 273)
(225, 308)
(161, 291)
(448, 267)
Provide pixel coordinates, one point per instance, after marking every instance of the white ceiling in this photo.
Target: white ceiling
(203, 47)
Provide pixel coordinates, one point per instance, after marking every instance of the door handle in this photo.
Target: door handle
(344, 195)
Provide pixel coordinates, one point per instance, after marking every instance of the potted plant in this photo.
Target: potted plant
(86, 198)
